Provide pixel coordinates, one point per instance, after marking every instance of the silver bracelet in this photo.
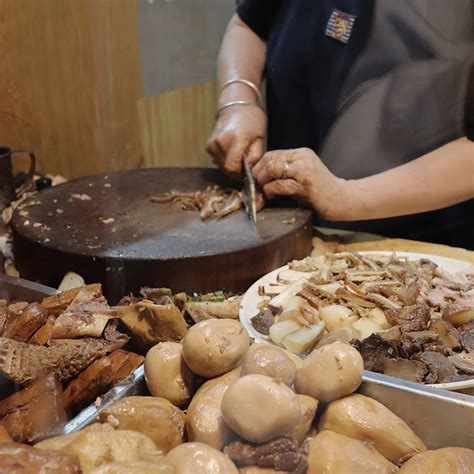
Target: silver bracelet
(247, 83)
(235, 102)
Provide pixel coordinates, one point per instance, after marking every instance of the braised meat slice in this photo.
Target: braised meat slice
(23, 327)
(281, 454)
(412, 370)
(375, 350)
(3, 314)
(463, 362)
(36, 412)
(263, 321)
(440, 368)
(22, 362)
(410, 318)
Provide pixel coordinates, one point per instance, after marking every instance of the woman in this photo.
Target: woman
(369, 103)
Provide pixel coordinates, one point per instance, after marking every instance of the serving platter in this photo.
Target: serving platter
(251, 300)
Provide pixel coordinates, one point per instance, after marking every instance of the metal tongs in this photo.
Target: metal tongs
(249, 191)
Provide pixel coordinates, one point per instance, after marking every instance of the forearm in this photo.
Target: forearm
(242, 55)
(438, 179)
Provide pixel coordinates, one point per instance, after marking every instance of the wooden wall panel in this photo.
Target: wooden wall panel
(174, 126)
(69, 83)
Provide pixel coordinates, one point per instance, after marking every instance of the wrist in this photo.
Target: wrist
(235, 92)
(339, 205)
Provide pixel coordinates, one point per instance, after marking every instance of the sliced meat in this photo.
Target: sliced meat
(408, 294)
(375, 350)
(157, 295)
(24, 326)
(36, 412)
(281, 454)
(263, 321)
(22, 362)
(438, 296)
(463, 362)
(410, 318)
(448, 335)
(43, 335)
(440, 368)
(412, 370)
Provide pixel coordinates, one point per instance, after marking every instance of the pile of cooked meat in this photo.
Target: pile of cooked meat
(212, 202)
(408, 319)
(61, 354)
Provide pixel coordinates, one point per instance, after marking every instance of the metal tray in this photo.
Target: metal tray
(440, 418)
(12, 288)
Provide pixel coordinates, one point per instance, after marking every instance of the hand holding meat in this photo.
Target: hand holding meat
(237, 131)
(300, 174)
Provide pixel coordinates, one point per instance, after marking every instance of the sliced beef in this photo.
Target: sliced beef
(440, 368)
(410, 318)
(448, 335)
(375, 350)
(412, 370)
(463, 362)
(263, 321)
(281, 454)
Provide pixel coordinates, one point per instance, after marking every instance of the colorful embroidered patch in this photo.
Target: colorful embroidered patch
(340, 25)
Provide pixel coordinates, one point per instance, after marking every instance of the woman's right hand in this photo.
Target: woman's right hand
(239, 129)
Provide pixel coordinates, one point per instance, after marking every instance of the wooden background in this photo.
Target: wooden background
(71, 90)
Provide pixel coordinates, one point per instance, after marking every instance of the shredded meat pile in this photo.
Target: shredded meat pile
(213, 202)
(423, 321)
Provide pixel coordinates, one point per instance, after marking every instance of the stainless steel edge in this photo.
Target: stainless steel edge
(12, 288)
(133, 385)
(440, 418)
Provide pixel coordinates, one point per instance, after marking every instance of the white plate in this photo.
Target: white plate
(251, 299)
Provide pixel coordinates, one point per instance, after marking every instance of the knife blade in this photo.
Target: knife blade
(249, 191)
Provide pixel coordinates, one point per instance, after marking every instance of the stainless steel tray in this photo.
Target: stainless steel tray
(12, 288)
(440, 418)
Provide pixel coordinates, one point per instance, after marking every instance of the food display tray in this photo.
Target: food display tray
(440, 418)
(12, 288)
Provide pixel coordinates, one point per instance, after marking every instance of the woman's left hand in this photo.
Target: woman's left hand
(301, 174)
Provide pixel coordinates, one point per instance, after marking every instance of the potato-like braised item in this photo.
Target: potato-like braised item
(94, 449)
(331, 453)
(18, 458)
(259, 408)
(445, 460)
(365, 419)
(331, 372)
(271, 361)
(155, 417)
(199, 458)
(167, 375)
(215, 346)
(204, 421)
(308, 407)
(57, 443)
(160, 466)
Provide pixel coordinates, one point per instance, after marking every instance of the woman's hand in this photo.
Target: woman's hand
(301, 174)
(238, 130)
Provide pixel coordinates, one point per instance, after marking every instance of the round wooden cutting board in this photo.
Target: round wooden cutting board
(106, 228)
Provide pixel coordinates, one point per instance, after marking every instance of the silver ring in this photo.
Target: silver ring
(284, 173)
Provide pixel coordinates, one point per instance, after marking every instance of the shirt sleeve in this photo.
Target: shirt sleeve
(258, 15)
